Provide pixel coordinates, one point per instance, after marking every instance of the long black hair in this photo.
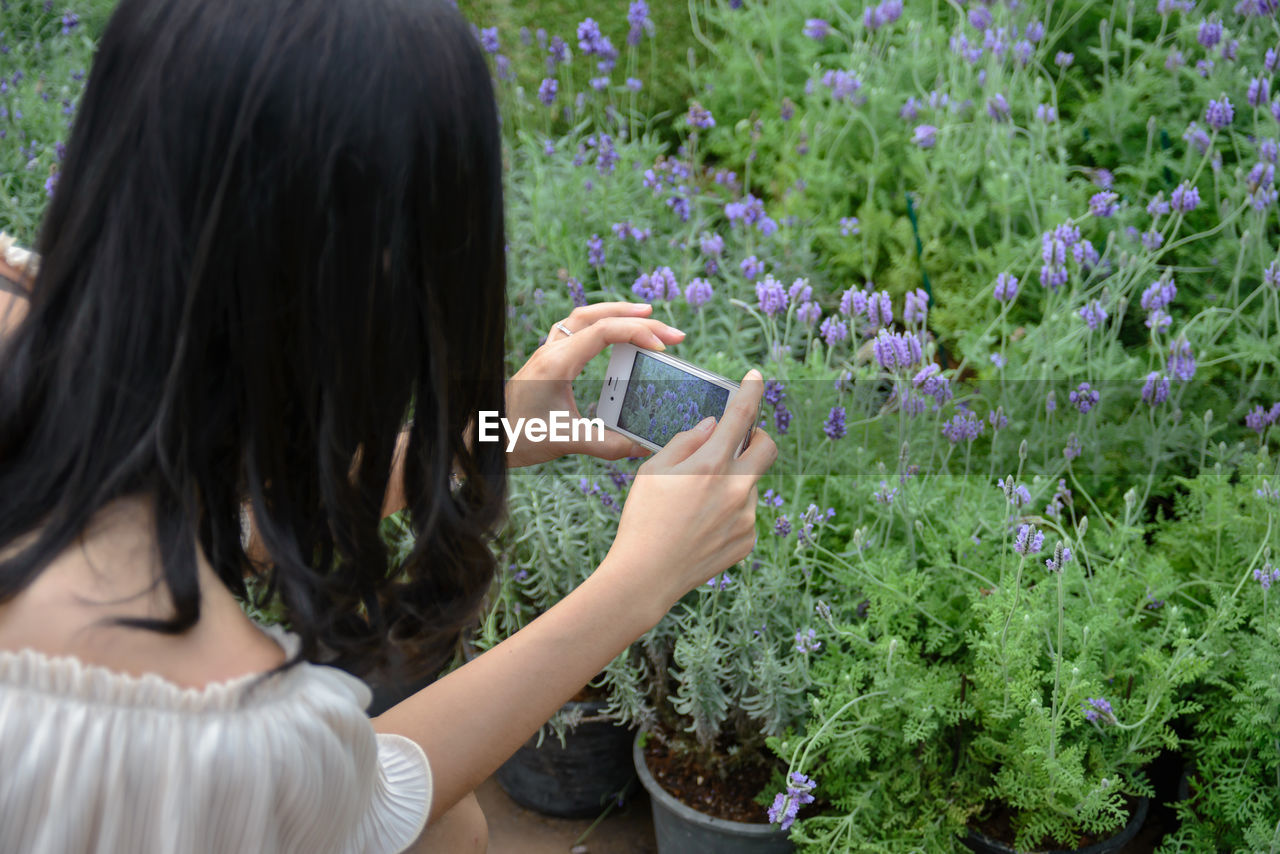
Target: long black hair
(278, 230)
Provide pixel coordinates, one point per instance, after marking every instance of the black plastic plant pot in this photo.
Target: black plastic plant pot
(680, 829)
(980, 843)
(577, 780)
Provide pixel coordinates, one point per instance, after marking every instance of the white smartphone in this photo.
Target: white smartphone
(650, 396)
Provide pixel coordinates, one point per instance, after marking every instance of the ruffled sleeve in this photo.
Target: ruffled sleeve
(100, 761)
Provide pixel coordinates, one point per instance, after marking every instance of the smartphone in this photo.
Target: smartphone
(649, 396)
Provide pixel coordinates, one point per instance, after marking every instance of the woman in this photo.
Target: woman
(277, 232)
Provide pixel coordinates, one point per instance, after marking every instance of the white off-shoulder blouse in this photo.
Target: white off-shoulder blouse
(92, 760)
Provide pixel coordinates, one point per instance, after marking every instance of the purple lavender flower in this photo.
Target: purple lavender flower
(897, 351)
(1182, 361)
(834, 425)
(576, 293)
(752, 267)
(787, 804)
(848, 225)
(547, 90)
(774, 392)
(720, 582)
(1017, 494)
(489, 39)
(885, 495)
(1271, 275)
(799, 292)
(1155, 390)
(772, 296)
(1063, 59)
(634, 84)
(925, 136)
(1029, 540)
(1219, 113)
(817, 29)
(1093, 313)
(1152, 240)
(1073, 447)
(808, 313)
(1098, 710)
(1196, 136)
(998, 360)
(1156, 298)
(1023, 51)
(1051, 402)
(910, 110)
(1158, 206)
(834, 330)
(698, 293)
(843, 84)
(711, 244)
(638, 18)
(963, 427)
(502, 67)
(1034, 31)
(700, 117)
(917, 306)
(664, 284)
(1259, 91)
(998, 107)
(782, 526)
(853, 302)
(1006, 289)
(50, 184)
(1103, 204)
(1061, 557)
(1259, 419)
(807, 642)
(1266, 576)
(879, 309)
(595, 251)
(1185, 198)
(979, 18)
(70, 21)
(589, 36)
(1084, 398)
(931, 383)
(1209, 34)
(559, 53)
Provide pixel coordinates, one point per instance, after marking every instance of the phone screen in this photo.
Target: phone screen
(662, 400)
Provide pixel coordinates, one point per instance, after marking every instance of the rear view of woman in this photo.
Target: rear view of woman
(277, 235)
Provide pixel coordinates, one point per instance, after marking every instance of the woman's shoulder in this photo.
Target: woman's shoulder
(285, 761)
(17, 269)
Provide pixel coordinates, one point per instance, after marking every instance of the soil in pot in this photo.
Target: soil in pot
(726, 796)
(682, 829)
(987, 835)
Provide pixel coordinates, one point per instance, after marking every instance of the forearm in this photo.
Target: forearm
(472, 720)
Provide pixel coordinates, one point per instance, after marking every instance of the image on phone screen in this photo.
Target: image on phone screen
(662, 400)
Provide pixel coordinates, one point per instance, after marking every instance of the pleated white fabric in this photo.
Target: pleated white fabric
(96, 761)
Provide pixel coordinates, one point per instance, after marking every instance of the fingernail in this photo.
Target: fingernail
(676, 331)
(753, 374)
(658, 345)
(707, 423)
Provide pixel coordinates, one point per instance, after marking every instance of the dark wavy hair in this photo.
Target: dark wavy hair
(277, 232)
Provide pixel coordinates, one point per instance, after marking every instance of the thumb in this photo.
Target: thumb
(614, 446)
(683, 444)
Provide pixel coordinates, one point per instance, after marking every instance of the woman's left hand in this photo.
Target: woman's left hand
(545, 383)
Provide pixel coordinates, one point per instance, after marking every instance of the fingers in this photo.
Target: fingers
(614, 447)
(759, 455)
(590, 342)
(739, 416)
(684, 444)
(585, 315)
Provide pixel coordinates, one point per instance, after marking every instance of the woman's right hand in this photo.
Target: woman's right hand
(691, 510)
